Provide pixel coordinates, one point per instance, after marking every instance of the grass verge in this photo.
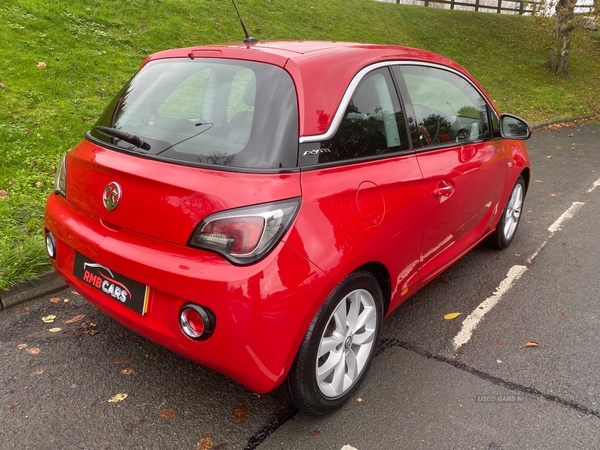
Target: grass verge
(62, 61)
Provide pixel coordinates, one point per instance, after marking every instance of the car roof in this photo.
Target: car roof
(321, 70)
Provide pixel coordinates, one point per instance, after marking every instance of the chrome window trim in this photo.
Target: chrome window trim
(339, 115)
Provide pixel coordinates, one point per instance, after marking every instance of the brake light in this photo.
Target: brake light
(246, 235)
(60, 177)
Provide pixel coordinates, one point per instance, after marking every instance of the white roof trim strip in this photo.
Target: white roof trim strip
(337, 119)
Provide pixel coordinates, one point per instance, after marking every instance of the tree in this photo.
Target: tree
(566, 21)
(558, 61)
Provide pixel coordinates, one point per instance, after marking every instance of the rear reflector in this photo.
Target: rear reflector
(196, 322)
(51, 244)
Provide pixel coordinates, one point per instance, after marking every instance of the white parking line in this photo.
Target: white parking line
(568, 214)
(515, 272)
(348, 447)
(594, 186)
(473, 319)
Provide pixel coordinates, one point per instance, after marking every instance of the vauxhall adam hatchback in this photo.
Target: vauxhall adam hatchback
(260, 208)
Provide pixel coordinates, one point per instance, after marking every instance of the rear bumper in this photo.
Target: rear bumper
(262, 311)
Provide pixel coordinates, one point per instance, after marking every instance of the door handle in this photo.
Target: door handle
(444, 190)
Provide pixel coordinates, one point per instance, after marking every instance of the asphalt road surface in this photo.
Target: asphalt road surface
(82, 381)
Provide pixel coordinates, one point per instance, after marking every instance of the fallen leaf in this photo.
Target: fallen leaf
(55, 330)
(499, 342)
(169, 414)
(563, 316)
(128, 371)
(49, 319)
(74, 319)
(315, 433)
(206, 442)
(89, 328)
(451, 316)
(41, 65)
(75, 293)
(38, 184)
(66, 300)
(13, 405)
(117, 398)
(22, 346)
(530, 344)
(2, 86)
(37, 372)
(359, 400)
(240, 414)
(54, 300)
(33, 351)
(538, 181)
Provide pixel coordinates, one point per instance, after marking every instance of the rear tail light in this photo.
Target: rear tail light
(60, 177)
(246, 235)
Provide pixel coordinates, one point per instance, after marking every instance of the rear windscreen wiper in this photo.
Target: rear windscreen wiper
(125, 136)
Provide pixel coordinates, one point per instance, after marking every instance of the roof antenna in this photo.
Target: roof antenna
(249, 41)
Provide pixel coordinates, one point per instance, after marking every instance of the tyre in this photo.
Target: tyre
(511, 216)
(338, 347)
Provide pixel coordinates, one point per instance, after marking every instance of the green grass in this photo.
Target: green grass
(90, 48)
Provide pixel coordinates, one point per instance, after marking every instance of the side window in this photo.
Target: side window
(447, 107)
(373, 123)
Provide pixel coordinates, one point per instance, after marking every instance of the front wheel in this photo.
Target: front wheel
(511, 216)
(338, 347)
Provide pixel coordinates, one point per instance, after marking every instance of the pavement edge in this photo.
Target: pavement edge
(45, 284)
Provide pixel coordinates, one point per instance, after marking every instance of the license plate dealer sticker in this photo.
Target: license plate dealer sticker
(132, 294)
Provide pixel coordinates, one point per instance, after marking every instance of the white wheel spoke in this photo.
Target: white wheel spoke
(339, 316)
(339, 373)
(364, 338)
(365, 317)
(325, 370)
(354, 308)
(352, 365)
(328, 344)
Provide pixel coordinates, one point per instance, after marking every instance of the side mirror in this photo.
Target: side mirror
(513, 127)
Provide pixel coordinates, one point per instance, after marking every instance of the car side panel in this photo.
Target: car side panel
(360, 213)
(474, 175)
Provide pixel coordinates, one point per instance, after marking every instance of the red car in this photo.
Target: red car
(260, 208)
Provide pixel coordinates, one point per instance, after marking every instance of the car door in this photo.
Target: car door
(463, 166)
(362, 188)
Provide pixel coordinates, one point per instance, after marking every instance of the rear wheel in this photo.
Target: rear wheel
(338, 347)
(511, 216)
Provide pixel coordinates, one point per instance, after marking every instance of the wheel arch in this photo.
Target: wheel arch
(382, 275)
(526, 176)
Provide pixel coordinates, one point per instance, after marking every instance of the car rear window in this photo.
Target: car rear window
(207, 112)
